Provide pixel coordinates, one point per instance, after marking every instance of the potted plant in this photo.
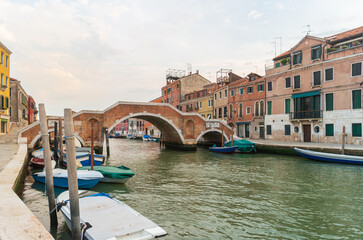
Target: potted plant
(284, 61)
(356, 43)
(344, 47)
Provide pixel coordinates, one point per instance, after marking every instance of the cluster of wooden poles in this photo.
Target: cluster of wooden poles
(71, 169)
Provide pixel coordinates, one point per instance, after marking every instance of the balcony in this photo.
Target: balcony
(313, 114)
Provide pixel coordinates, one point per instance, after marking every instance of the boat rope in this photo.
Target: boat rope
(84, 227)
(59, 205)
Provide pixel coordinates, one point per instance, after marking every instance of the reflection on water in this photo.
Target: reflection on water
(203, 195)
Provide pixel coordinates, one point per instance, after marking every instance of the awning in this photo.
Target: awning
(305, 94)
(239, 123)
(4, 120)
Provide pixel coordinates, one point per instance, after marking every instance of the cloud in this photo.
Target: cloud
(253, 15)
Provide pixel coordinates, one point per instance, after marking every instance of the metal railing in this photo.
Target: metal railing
(306, 114)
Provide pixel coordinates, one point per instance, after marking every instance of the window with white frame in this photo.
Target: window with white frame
(248, 110)
(329, 74)
(200, 104)
(316, 52)
(220, 95)
(316, 78)
(2, 58)
(357, 69)
(269, 86)
(241, 91)
(6, 61)
(240, 110)
(297, 82)
(225, 93)
(288, 82)
(297, 58)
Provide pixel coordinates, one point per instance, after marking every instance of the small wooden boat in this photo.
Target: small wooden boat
(37, 162)
(85, 159)
(86, 179)
(39, 153)
(109, 218)
(223, 149)
(146, 138)
(110, 174)
(242, 145)
(329, 157)
(155, 139)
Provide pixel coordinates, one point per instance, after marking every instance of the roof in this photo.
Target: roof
(285, 54)
(346, 35)
(5, 48)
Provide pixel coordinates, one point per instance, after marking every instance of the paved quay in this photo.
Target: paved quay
(16, 220)
(354, 149)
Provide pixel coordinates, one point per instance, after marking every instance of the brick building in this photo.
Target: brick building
(315, 89)
(19, 109)
(32, 112)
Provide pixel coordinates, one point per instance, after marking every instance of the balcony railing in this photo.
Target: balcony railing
(306, 114)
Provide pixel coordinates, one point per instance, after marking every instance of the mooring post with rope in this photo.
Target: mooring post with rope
(60, 139)
(48, 165)
(56, 142)
(107, 143)
(72, 174)
(92, 144)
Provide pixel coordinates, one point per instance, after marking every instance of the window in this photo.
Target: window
(249, 89)
(215, 96)
(2, 104)
(357, 99)
(262, 108)
(240, 110)
(164, 92)
(356, 129)
(329, 102)
(268, 129)
(287, 106)
(177, 86)
(2, 58)
(329, 130)
(220, 95)
(168, 90)
(288, 82)
(296, 58)
(269, 107)
(287, 130)
(297, 82)
(200, 104)
(225, 112)
(356, 69)
(231, 111)
(172, 88)
(6, 61)
(177, 97)
(277, 64)
(215, 113)
(220, 113)
(329, 74)
(225, 93)
(232, 92)
(256, 108)
(259, 87)
(172, 99)
(269, 86)
(2, 80)
(315, 52)
(317, 78)
(241, 91)
(248, 110)
(6, 81)
(208, 116)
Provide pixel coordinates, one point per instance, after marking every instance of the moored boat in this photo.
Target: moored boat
(146, 138)
(223, 149)
(330, 157)
(242, 145)
(110, 174)
(37, 162)
(85, 159)
(109, 218)
(86, 179)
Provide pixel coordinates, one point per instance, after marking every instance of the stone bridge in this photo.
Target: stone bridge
(180, 129)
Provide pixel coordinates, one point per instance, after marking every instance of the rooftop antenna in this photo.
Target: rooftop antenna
(275, 47)
(280, 43)
(309, 30)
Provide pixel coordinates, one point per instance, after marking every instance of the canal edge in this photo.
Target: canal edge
(16, 219)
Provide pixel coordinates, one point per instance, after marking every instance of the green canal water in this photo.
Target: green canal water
(203, 195)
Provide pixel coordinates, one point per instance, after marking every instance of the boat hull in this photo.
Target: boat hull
(37, 162)
(330, 157)
(111, 174)
(85, 160)
(223, 149)
(114, 180)
(63, 182)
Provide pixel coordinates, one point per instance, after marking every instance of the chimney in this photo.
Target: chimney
(197, 72)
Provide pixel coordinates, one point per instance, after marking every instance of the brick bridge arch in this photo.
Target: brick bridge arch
(179, 128)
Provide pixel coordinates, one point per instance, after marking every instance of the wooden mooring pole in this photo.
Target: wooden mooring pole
(92, 144)
(56, 142)
(72, 174)
(343, 140)
(107, 143)
(48, 165)
(60, 138)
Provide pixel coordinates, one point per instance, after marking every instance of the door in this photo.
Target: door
(262, 132)
(307, 133)
(247, 130)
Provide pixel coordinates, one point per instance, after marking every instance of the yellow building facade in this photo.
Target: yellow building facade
(206, 106)
(4, 89)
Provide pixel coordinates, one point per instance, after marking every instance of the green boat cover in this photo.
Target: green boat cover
(112, 172)
(243, 145)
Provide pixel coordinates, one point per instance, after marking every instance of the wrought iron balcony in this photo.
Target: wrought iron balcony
(312, 114)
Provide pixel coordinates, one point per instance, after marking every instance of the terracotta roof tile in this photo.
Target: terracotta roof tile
(346, 34)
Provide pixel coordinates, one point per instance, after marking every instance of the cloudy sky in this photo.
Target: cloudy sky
(89, 54)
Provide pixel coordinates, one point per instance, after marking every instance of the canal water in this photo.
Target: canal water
(204, 195)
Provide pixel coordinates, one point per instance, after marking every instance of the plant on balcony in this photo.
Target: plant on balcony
(344, 47)
(332, 49)
(284, 61)
(356, 43)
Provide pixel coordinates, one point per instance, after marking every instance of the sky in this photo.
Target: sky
(87, 55)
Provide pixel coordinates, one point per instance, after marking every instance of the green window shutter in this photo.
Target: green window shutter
(357, 99)
(329, 130)
(329, 101)
(287, 106)
(356, 129)
(269, 107)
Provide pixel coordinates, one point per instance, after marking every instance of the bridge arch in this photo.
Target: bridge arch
(169, 130)
(212, 131)
(37, 138)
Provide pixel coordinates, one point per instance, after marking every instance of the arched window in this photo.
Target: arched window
(240, 110)
(262, 108)
(256, 108)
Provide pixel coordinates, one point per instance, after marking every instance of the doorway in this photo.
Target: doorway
(307, 133)
(262, 132)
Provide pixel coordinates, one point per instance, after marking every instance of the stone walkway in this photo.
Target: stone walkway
(7, 152)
